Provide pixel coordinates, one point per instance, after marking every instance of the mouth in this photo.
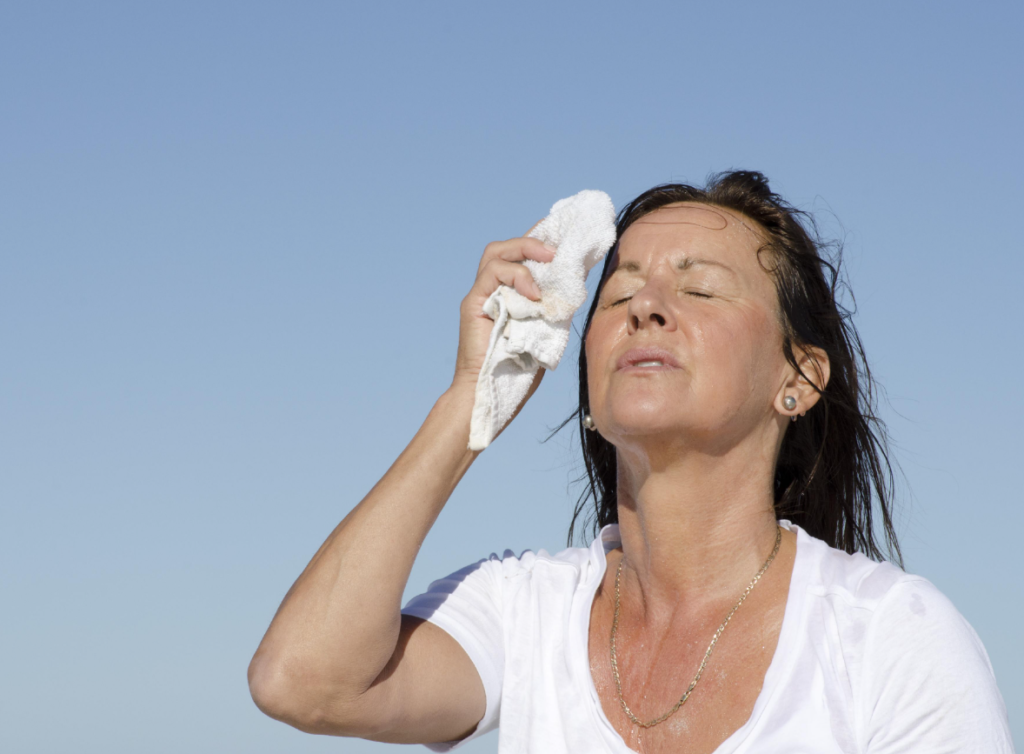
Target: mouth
(646, 359)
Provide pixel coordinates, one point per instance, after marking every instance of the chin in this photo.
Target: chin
(646, 419)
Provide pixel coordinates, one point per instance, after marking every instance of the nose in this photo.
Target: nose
(649, 308)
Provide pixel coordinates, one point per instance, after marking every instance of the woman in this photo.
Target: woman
(732, 601)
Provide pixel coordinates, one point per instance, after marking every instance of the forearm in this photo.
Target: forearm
(338, 625)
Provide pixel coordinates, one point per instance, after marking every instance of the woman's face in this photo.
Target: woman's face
(685, 342)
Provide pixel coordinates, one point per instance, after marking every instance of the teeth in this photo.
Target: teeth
(648, 364)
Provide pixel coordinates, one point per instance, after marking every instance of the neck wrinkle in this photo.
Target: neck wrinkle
(695, 531)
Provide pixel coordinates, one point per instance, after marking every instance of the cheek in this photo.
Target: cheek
(741, 354)
(593, 360)
(600, 339)
(766, 358)
(598, 346)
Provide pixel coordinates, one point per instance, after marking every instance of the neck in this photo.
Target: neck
(696, 527)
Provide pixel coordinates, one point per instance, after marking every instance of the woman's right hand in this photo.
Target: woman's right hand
(499, 265)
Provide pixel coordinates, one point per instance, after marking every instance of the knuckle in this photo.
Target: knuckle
(499, 267)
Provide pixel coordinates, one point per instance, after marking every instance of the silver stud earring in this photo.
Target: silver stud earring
(588, 421)
(789, 402)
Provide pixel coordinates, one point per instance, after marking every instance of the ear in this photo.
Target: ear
(803, 388)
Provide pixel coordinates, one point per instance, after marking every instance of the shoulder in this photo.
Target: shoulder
(863, 590)
(918, 670)
(885, 606)
(492, 580)
(927, 677)
(531, 562)
(854, 579)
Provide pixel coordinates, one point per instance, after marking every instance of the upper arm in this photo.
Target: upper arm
(430, 691)
(928, 684)
(443, 681)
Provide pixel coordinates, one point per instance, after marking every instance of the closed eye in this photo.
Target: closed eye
(698, 294)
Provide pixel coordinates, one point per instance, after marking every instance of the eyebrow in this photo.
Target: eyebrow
(683, 265)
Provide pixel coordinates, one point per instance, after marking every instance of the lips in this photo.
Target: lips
(635, 356)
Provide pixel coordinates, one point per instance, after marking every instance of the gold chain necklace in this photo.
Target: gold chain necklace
(714, 640)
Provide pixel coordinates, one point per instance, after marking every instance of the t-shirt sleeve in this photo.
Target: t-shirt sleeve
(468, 606)
(928, 683)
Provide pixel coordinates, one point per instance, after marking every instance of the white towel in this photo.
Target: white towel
(531, 334)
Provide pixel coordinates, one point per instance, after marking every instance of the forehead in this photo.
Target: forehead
(690, 229)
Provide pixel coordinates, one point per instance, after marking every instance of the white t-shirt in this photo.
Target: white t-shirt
(870, 659)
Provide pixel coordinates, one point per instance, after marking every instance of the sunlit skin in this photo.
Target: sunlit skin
(696, 447)
(696, 450)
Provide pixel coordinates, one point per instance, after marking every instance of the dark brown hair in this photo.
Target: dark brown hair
(833, 477)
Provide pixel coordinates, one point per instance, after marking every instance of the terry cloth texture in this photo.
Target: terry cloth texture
(530, 334)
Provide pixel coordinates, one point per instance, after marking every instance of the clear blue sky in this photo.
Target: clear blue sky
(233, 242)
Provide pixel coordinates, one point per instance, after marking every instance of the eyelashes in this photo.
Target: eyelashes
(696, 294)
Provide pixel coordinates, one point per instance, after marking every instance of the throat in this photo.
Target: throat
(680, 660)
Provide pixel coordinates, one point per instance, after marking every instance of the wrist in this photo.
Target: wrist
(455, 408)
(462, 392)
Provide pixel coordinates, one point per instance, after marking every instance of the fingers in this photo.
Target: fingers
(516, 250)
(501, 264)
(501, 272)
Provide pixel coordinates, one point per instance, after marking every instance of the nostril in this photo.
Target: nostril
(659, 319)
